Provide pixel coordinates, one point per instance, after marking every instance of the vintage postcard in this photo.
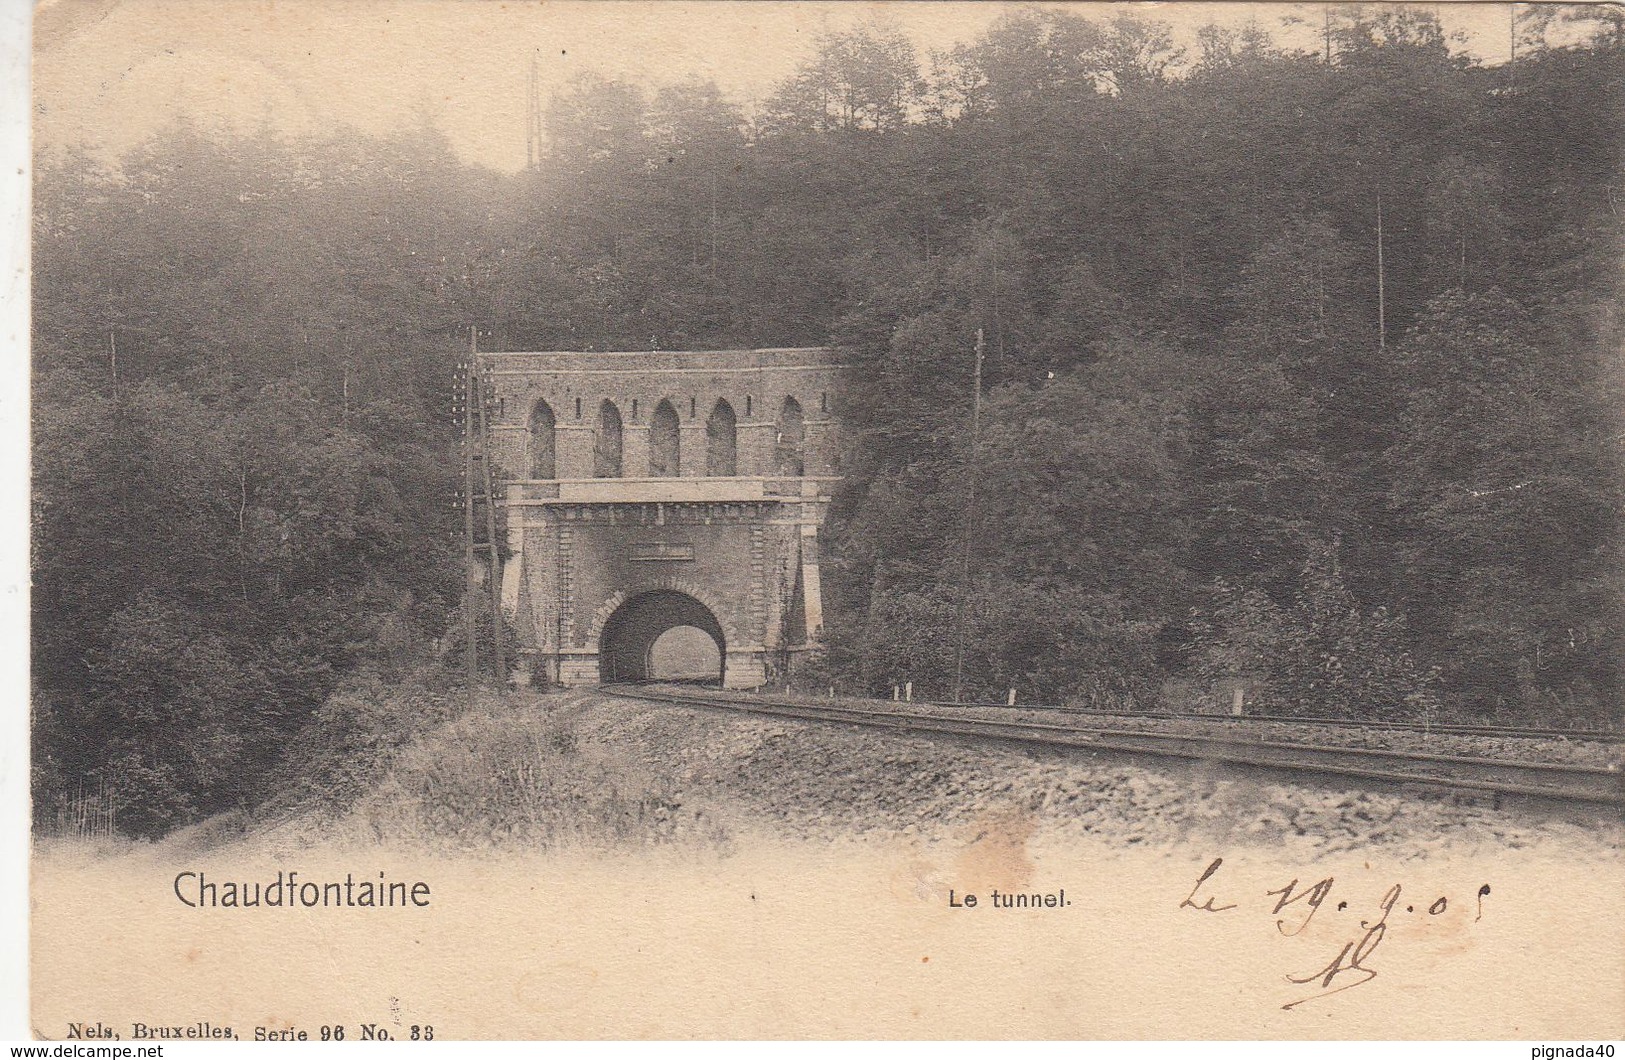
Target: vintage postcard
(592, 520)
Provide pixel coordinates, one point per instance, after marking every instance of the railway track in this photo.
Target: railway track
(1559, 781)
(1612, 736)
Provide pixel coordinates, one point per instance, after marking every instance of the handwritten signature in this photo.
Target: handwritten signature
(1349, 968)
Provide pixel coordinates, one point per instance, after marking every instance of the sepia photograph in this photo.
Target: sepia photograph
(819, 519)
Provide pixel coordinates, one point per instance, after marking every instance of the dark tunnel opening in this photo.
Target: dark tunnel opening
(626, 646)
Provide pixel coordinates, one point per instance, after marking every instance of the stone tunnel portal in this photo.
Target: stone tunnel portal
(699, 476)
(626, 646)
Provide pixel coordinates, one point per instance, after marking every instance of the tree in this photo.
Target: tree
(865, 78)
(252, 504)
(1506, 491)
(1320, 655)
(1030, 61)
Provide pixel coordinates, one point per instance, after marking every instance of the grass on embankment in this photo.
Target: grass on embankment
(512, 771)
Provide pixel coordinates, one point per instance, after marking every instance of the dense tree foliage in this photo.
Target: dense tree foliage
(1230, 435)
(240, 463)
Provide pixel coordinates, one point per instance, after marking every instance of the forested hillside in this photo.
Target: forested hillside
(1229, 431)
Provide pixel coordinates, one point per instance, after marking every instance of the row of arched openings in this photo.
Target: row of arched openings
(665, 441)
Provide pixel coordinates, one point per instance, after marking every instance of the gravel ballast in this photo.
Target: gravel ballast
(585, 768)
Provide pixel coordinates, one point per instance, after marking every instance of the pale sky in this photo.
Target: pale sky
(107, 72)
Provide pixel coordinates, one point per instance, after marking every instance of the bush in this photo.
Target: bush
(1322, 656)
(351, 740)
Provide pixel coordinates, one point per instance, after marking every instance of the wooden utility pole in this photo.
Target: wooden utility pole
(998, 327)
(533, 113)
(1382, 289)
(970, 517)
(491, 553)
(471, 657)
(713, 215)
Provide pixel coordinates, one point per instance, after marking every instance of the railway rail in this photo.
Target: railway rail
(1613, 736)
(1559, 781)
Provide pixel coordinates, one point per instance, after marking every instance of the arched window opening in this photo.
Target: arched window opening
(578, 408)
(747, 406)
(792, 435)
(721, 446)
(693, 407)
(663, 442)
(634, 409)
(543, 449)
(606, 450)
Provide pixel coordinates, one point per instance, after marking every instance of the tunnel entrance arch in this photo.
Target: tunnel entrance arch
(626, 645)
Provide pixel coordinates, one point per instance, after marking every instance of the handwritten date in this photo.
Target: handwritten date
(1295, 905)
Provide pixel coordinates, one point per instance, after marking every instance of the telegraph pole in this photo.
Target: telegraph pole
(471, 657)
(970, 516)
(713, 214)
(491, 555)
(533, 113)
(1382, 293)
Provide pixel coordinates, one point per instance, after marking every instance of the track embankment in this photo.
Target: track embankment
(1551, 768)
(586, 769)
